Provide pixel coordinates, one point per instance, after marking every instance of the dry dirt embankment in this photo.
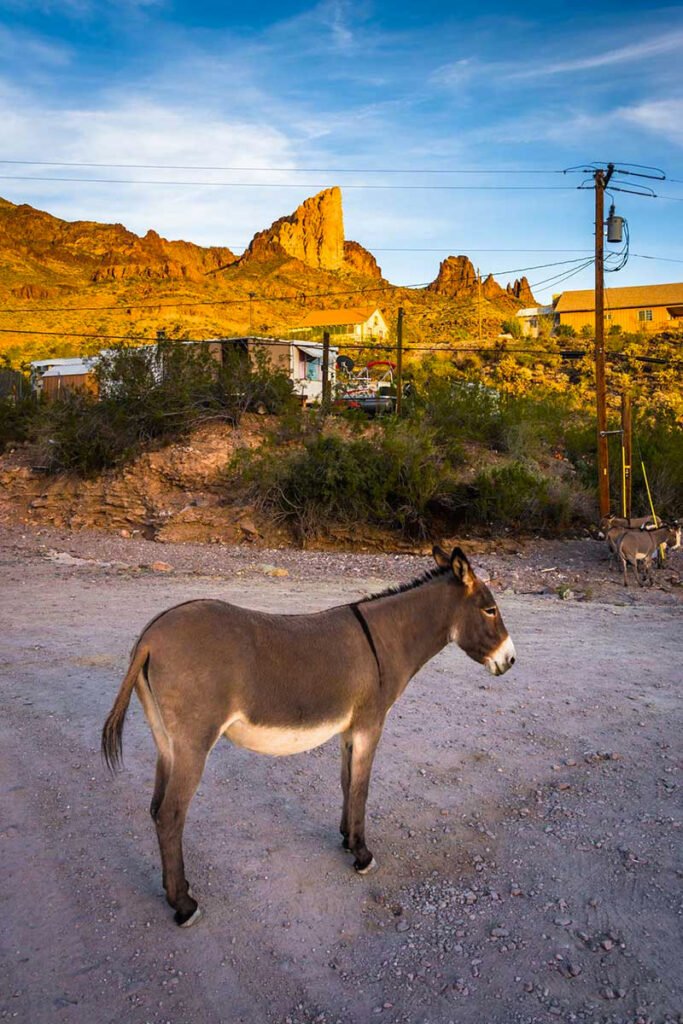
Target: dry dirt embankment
(527, 827)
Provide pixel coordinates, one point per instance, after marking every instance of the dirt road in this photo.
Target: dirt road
(526, 827)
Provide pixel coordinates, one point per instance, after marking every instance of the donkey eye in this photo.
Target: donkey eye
(490, 611)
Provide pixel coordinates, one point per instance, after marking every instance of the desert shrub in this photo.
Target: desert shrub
(16, 420)
(514, 496)
(529, 423)
(565, 331)
(153, 395)
(513, 326)
(660, 444)
(79, 434)
(460, 410)
(388, 478)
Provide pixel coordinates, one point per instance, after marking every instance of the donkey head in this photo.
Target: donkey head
(477, 625)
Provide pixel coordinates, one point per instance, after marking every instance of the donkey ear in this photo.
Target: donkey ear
(462, 570)
(442, 559)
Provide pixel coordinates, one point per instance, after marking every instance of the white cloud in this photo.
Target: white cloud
(661, 117)
(20, 45)
(646, 49)
(458, 73)
(147, 133)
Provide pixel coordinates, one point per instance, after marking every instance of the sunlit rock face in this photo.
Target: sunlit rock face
(313, 234)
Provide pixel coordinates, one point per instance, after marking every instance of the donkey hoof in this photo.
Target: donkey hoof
(186, 920)
(368, 869)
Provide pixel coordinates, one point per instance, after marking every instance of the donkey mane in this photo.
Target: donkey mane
(400, 588)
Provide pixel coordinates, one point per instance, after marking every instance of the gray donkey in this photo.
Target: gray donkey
(638, 547)
(282, 684)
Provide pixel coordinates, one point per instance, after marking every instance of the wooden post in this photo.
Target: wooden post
(326, 373)
(627, 451)
(601, 180)
(399, 362)
(479, 300)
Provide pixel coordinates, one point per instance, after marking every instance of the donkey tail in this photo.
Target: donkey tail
(112, 733)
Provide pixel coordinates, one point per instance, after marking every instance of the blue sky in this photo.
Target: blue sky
(343, 93)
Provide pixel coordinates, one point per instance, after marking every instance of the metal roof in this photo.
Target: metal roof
(636, 296)
(69, 368)
(315, 351)
(334, 317)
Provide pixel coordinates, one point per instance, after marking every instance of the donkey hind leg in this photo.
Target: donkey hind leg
(363, 746)
(184, 776)
(346, 750)
(163, 770)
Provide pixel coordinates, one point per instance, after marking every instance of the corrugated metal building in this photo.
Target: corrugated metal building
(651, 307)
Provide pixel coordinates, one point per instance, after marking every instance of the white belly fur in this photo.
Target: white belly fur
(279, 741)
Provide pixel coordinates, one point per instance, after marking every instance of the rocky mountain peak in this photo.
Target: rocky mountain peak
(457, 278)
(521, 290)
(313, 234)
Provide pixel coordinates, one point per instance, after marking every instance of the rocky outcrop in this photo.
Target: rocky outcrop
(457, 278)
(521, 291)
(313, 234)
(359, 261)
(36, 244)
(155, 257)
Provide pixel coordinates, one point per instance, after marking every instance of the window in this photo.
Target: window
(608, 316)
(644, 314)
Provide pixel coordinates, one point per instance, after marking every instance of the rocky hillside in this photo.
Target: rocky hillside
(81, 283)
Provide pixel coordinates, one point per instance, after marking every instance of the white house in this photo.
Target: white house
(354, 323)
(531, 317)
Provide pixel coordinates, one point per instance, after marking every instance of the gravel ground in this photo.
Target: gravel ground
(527, 827)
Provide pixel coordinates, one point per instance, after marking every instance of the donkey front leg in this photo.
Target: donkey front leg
(358, 752)
(183, 778)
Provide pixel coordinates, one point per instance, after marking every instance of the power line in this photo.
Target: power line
(300, 294)
(123, 307)
(290, 184)
(491, 350)
(280, 170)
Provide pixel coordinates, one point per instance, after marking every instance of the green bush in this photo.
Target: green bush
(389, 479)
(515, 496)
(16, 420)
(153, 395)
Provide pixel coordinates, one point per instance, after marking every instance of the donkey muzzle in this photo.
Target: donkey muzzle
(503, 658)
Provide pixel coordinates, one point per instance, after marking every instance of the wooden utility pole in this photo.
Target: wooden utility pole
(601, 181)
(251, 312)
(626, 453)
(399, 362)
(326, 373)
(479, 300)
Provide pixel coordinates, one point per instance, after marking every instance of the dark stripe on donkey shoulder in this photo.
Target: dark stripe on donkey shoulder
(368, 636)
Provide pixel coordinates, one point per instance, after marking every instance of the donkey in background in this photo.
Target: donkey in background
(282, 684)
(637, 549)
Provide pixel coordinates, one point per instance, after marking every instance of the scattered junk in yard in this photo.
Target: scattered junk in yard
(370, 389)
